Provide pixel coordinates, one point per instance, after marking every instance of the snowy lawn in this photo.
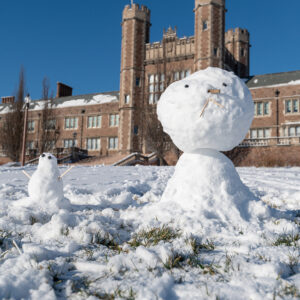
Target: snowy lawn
(111, 244)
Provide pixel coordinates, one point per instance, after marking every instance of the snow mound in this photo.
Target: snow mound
(45, 186)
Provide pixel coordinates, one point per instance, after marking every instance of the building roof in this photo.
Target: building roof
(284, 78)
(71, 101)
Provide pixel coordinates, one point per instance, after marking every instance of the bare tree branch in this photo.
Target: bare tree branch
(11, 130)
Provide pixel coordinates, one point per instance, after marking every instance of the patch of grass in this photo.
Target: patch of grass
(293, 263)
(210, 269)
(197, 246)
(117, 294)
(65, 230)
(288, 290)
(173, 261)
(153, 236)
(4, 235)
(33, 220)
(228, 264)
(107, 241)
(287, 240)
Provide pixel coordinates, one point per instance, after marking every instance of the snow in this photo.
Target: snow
(45, 186)
(205, 184)
(39, 105)
(87, 250)
(195, 118)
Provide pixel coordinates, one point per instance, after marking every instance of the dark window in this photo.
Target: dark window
(215, 51)
(138, 81)
(204, 25)
(136, 130)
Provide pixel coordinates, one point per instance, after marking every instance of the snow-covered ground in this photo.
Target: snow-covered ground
(114, 243)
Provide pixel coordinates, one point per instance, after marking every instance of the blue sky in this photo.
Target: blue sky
(78, 42)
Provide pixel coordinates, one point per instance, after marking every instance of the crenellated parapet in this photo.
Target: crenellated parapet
(170, 48)
(135, 11)
(237, 35)
(209, 2)
(237, 51)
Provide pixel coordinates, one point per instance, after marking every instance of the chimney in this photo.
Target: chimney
(63, 90)
(8, 100)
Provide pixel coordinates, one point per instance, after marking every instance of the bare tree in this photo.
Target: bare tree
(49, 132)
(156, 139)
(11, 131)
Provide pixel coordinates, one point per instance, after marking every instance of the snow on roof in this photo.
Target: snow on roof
(70, 101)
(275, 79)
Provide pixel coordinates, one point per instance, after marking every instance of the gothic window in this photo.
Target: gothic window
(292, 106)
(69, 143)
(30, 145)
(156, 85)
(30, 126)
(215, 51)
(114, 120)
(138, 81)
(94, 122)
(260, 133)
(51, 124)
(93, 143)
(113, 143)
(261, 108)
(127, 99)
(71, 123)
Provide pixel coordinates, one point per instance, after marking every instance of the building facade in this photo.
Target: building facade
(113, 124)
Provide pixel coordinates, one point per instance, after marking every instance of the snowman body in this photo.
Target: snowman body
(45, 186)
(207, 112)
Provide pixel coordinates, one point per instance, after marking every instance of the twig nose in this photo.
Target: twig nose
(214, 91)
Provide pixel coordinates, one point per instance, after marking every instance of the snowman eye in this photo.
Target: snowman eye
(186, 86)
(49, 157)
(224, 84)
(43, 155)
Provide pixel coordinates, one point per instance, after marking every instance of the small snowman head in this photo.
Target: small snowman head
(210, 109)
(48, 163)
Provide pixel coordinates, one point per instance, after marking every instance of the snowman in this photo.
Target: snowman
(45, 186)
(208, 112)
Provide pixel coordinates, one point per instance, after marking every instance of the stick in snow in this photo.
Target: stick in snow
(17, 247)
(63, 174)
(26, 174)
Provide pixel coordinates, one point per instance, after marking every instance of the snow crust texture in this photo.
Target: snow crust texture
(118, 240)
(195, 117)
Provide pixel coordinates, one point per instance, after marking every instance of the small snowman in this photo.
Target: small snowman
(207, 112)
(45, 186)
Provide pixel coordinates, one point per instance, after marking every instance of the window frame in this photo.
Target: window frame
(289, 106)
(70, 121)
(262, 109)
(94, 142)
(115, 143)
(95, 123)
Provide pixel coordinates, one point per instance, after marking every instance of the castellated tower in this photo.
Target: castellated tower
(209, 33)
(135, 34)
(237, 51)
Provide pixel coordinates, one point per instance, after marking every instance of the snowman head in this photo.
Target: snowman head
(210, 109)
(47, 163)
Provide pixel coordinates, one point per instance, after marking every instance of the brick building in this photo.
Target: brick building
(112, 124)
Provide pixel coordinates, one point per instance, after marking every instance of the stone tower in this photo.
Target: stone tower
(238, 48)
(135, 34)
(209, 33)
